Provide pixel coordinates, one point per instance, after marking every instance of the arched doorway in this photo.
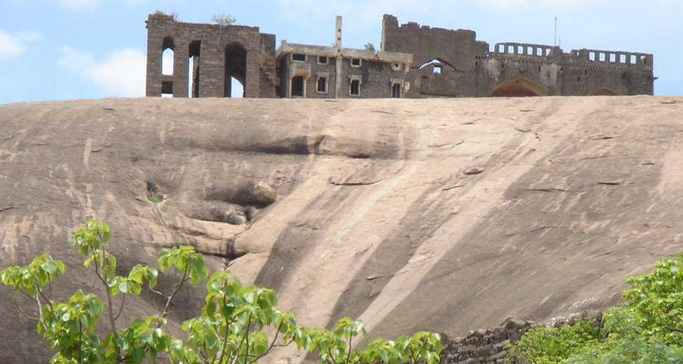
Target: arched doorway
(603, 92)
(235, 68)
(518, 87)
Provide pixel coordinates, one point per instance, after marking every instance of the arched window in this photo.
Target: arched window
(437, 66)
(235, 70)
(167, 56)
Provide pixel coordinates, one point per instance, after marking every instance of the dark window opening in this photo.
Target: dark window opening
(322, 84)
(355, 88)
(322, 59)
(396, 91)
(166, 89)
(298, 57)
(298, 86)
(355, 62)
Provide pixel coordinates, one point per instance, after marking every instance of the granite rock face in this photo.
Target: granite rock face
(370, 213)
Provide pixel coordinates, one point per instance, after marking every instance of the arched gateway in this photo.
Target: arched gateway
(518, 87)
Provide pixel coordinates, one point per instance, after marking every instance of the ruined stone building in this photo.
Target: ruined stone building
(413, 61)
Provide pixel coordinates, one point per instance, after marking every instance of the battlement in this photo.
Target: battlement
(641, 61)
(524, 49)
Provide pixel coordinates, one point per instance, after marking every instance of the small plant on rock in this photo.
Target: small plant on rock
(223, 19)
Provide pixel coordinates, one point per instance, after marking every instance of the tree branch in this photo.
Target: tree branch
(16, 307)
(176, 288)
(47, 300)
(272, 344)
(348, 355)
(417, 356)
(80, 340)
(123, 302)
(112, 321)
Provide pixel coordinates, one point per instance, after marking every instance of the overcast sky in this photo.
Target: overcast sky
(72, 49)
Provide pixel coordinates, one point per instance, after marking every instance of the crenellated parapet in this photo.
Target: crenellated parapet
(540, 52)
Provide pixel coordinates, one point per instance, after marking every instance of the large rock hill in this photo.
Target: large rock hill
(445, 215)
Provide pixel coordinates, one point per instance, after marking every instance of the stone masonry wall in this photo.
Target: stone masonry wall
(260, 73)
(488, 346)
(483, 346)
(471, 69)
(467, 67)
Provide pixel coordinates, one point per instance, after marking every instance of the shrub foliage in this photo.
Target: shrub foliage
(237, 324)
(647, 329)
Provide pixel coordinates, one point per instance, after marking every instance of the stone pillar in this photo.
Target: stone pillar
(154, 40)
(211, 61)
(181, 68)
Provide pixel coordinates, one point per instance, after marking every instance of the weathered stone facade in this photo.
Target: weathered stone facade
(413, 61)
(483, 346)
(326, 73)
(217, 52)
(488, 346)
(452, 63)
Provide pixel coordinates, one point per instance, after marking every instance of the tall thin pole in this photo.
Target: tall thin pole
(555, 31)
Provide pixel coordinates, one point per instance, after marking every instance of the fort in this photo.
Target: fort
(413, 61)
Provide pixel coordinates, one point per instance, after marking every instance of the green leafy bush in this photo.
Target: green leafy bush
(648, 329)
(549, 345)
(237, 324)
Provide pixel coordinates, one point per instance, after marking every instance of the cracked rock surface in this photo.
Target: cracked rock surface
(353, 208)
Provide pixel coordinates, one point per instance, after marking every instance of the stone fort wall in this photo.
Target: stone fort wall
(470, 68)
(445, 63)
